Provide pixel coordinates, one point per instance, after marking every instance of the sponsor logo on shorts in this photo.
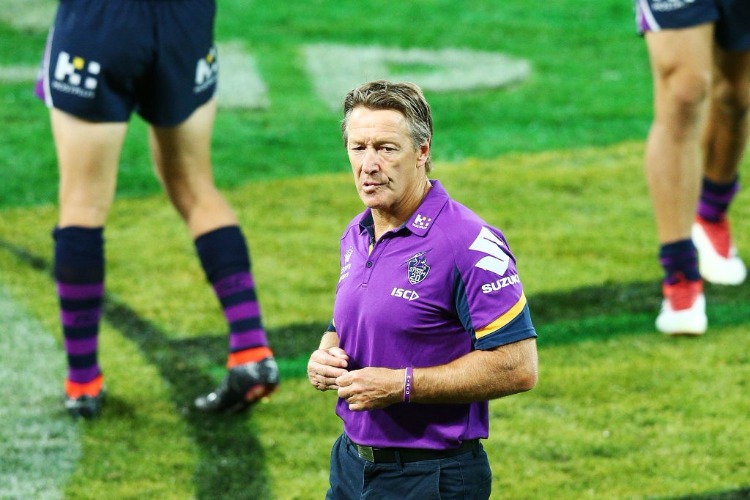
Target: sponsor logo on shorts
(404, 294)
(669, 5)
(500, 284)
(206, 71)
(76, 76)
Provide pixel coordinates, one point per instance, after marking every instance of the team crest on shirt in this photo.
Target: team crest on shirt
(417, 268)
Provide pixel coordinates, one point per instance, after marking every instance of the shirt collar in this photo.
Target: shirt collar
(423, 217)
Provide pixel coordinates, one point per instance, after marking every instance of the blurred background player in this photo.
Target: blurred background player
(104, 60)
(700, 60)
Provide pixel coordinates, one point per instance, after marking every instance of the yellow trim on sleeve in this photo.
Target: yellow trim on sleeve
(503, 320)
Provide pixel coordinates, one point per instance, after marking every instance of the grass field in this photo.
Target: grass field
(556, 162)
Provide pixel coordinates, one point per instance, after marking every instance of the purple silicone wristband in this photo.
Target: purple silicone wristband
(408, 377)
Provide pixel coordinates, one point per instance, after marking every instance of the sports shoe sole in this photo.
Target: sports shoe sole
(87, 407)
(242, 387)
(690, 322)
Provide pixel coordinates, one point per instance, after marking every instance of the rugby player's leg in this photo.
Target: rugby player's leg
(88, 155)
(182, 157)
(725, 139)
(681, 64)
(727, 127)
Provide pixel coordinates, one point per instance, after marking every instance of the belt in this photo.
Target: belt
(392, 455)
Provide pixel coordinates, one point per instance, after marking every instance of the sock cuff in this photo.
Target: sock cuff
(721, 189)
(676, 248)
(679, 257)
(79, 254)
(223, 252)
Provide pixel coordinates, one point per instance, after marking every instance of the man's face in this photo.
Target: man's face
(388, 170)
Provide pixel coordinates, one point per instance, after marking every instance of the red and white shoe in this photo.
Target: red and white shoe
(683, 311)
(718, 261)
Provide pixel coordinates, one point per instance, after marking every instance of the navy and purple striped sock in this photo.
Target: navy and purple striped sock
(679, 259)
(79, 276)
(715, 199)
(225, 259)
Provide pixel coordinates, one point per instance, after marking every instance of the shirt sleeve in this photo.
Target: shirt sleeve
(488, 293)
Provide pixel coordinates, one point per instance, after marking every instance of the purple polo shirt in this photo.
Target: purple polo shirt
(438, 287)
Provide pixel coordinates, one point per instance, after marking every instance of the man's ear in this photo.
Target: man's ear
(424, 154)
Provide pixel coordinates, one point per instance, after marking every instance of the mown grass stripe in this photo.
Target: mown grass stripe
(40, 445)
(184, 364)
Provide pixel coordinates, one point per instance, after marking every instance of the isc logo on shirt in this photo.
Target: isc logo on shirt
(405, 294)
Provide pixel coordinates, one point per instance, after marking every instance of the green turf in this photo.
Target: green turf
(40, 449)
(589, 86)
(620, 410)
(556, 162)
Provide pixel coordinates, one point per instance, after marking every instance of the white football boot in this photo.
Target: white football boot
(683, 310)
(718, 261)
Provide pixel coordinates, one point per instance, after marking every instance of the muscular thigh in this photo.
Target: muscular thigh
(88, 155)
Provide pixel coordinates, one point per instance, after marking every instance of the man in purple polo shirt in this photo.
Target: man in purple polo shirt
(430, 320)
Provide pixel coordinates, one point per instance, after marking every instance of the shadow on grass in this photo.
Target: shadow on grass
(232, 462)
(741, 494)
(611, 310)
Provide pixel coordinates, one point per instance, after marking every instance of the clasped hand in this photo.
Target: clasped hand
(365, 389)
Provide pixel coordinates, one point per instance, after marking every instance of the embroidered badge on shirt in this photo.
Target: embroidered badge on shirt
(417, 268)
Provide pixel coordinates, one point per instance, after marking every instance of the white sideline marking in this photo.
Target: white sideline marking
(338, 68)
(18, 74)
(240, 84)
(39, 444)
(31, 15)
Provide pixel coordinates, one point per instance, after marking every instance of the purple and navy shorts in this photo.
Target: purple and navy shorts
(107, 58)
(731, 17)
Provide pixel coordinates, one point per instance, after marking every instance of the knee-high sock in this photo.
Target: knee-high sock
(79, 276)
(715, 199)
(225, 258)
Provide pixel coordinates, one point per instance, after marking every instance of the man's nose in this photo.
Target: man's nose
(370, 161)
